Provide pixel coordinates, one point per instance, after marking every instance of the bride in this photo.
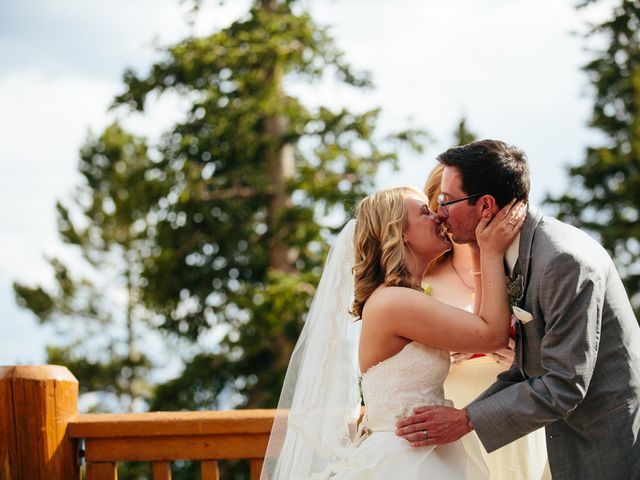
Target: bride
(396, 358)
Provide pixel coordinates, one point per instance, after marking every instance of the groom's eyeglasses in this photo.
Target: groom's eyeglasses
(444, 204)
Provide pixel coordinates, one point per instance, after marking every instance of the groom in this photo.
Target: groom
(577, 365)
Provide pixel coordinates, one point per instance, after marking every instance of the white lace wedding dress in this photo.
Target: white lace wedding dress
(413, 377)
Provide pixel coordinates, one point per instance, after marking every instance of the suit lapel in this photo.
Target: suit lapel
(522, 268)
(526, 243)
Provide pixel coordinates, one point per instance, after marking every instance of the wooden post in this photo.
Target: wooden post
(36, 405)
(161, 471)
(209, 470)
(255, 468)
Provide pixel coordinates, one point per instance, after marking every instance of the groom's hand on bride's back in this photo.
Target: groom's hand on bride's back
(434, 425)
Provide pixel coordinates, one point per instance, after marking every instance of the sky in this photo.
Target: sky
(511, 67)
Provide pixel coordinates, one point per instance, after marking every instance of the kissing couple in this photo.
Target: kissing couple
(363, 397)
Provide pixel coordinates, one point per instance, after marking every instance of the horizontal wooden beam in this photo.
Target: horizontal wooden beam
(163, 424)
(102, 471)
(201, 447)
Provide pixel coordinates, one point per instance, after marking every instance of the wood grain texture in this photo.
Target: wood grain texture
(202, 447)
(40, 401)
(9, 465)
(161, 471)
(102, 471)
(162, 424)
(255, 467)
(39, 424)
(209, 470)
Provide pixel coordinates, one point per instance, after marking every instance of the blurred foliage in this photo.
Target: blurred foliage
(604, 193)
(216, 234)
(212, 268)
(462, 134)
(98, 316)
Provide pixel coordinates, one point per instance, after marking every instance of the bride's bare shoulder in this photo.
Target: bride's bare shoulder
(386, 299)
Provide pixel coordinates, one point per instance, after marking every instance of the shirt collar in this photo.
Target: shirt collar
(511, 255)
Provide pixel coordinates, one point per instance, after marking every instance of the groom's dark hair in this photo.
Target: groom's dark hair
(490, 167)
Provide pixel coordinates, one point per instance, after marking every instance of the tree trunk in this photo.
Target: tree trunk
(280, 160)
(132, 352)
(281, 167)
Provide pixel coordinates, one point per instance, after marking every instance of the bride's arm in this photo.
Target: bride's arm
(411, 314)
(476, 272)
(503, 355)
(493, 241)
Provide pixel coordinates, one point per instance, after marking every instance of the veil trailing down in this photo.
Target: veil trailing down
(320, 400)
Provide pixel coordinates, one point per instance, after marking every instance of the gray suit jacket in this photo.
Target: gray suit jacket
(577, 367)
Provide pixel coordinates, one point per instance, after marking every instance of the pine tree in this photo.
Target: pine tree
(263, 182)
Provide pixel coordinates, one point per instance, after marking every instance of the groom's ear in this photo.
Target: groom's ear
(488, 203)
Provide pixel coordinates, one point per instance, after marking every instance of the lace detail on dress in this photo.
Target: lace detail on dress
(391, 389)
(412, 377)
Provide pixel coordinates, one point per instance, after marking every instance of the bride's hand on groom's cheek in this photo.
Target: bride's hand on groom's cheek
(494, 233)
(434, 425)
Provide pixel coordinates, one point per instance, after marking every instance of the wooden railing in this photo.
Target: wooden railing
(162, 437)
(42, 436)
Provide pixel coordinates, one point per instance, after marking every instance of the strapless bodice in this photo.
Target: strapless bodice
(391, 389)
(412, 377)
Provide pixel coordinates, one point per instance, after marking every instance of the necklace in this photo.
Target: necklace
(453, 265)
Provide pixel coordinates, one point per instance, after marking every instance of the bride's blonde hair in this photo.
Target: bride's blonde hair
(380, 255)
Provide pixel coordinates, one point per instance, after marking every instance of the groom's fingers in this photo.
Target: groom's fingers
(412, 428)
(433, 425)
(420, 414)
(412, 424)
(426, 409)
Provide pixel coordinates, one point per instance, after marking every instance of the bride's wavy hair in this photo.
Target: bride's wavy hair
(380, 255)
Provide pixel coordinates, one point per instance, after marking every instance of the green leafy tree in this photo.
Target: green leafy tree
(98, 313)
(604, 195)
(262, 182)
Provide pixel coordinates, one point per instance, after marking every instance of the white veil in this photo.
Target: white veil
(320, 400)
